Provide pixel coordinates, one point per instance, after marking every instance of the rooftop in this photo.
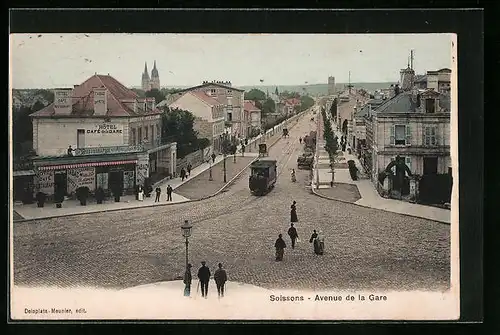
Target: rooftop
(263, 163)
(211, 84)
(83, 99)
(205, 98)
(250, 106)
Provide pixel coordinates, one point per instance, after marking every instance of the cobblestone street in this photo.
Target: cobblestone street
(200, 186)
(364, 248)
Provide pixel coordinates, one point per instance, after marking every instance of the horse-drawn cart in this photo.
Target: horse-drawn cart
(263, 150)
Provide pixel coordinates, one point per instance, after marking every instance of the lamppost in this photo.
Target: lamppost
(210, 170)
(186, 232)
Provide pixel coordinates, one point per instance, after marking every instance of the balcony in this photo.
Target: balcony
(122, 149)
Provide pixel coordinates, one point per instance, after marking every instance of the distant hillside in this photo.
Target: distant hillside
(317, 89)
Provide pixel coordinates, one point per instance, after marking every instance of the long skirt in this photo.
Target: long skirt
(321, 248)
(187, 290)
(316, 247)
(293, 216)
(279, 254)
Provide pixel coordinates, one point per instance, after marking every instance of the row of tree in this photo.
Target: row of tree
(331, 141)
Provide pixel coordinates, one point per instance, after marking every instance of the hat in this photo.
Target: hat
(203, 262)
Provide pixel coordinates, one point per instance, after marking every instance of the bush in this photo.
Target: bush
(82, 194)
(40, 199)
(99, 195)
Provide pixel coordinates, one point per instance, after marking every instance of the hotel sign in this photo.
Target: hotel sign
(106, 128)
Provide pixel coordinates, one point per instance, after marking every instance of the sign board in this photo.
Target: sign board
(142, 169)
(106, 129)
(81, 177)
(44, 182)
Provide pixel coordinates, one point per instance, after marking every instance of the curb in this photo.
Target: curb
(313, 190)
(160, 204)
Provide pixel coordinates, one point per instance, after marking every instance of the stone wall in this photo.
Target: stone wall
(195, 158)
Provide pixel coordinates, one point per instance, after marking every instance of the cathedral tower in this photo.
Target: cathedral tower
(155, 78)
(145, 79)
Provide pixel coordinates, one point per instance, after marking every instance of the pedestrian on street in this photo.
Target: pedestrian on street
(280, 248)
(292, 232)
(169, 193)
(293, 212)
(183, 174)
(220, 278)
(187, 281)
(213, 158)
(321, 243)
(189, 167)
(204, 277)
(158, 193)
(300, 140)
(313, 240)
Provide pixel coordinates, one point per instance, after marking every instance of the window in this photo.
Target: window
(400, 135)
(139, 135)
(230, 117)
(80, 138)
(229, 102)
(146, 132)
(407, 162)
(430, 105)
(430, 138)
(212, 91)
(153, 133)
(430, 165)
(133, 138)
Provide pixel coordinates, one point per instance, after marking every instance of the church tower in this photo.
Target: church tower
(155, 77)
(145, 79)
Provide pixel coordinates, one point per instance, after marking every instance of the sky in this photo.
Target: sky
(63, 60)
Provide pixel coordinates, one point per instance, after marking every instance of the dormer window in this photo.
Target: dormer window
(430, 105)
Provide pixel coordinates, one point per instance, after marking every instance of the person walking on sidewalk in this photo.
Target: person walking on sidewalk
(300, 140)
(213, 158)
(183, 174)
(158, 193)
(187, 281)
(204, 277)
(293, 212)
(314, 241)
(220, 278)
(169, 193)
(280, 246)
(292, 232)
(189, 167)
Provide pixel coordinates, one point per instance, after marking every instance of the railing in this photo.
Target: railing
(108, 150)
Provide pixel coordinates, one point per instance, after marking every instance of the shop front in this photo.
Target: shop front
(50, 178)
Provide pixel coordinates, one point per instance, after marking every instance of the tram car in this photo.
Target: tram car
(262, 177)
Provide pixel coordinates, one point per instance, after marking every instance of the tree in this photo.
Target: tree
(333, 108)
(289, 95)
(139, 92)
(155, 94)
(331, 143)
(22, 129)
(177, 126)
(306, 102)
(268, 106)
(255, 95)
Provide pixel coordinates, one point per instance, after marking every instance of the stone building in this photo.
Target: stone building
(439, 80)
(331, 85)
(230, 97)
(208, 113)
(153, 82)
(414, 124)
(252, 117)
(115, 138)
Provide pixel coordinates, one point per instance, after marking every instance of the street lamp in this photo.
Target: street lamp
(186, 232)
(210, 170)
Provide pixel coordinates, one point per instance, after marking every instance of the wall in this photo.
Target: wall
(417, 126)
(193, 104)
(204, 128)
(51, 137)
(143, 122)
(195, 158)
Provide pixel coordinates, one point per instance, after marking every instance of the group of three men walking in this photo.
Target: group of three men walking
(220, 278)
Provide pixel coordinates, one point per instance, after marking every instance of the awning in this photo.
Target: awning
(72, 166)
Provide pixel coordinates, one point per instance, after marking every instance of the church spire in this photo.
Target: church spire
(154, 72)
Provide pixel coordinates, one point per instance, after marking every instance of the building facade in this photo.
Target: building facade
(230, 97)
(148, 83)
(208, 113)
(99, 134)
(252, 116)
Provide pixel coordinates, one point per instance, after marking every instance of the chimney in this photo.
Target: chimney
(63, 101)
(75, 86)
(100, 101)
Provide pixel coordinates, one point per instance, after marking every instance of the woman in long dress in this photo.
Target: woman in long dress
(293, 212)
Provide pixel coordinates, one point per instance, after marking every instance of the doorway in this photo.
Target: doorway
(430, 165)
(60, 182)
(80, 138)
(115, 180)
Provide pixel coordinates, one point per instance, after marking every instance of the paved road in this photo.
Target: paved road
(365, 248)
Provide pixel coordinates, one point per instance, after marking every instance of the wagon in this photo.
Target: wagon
(263, 150)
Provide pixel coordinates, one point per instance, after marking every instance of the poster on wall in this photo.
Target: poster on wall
(81, 177)
(44, 182)
(128, 179)
(142, 169)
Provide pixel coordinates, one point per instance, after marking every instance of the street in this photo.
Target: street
(364, 248)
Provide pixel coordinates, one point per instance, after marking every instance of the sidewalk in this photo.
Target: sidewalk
(73, 207)
(367, 192)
